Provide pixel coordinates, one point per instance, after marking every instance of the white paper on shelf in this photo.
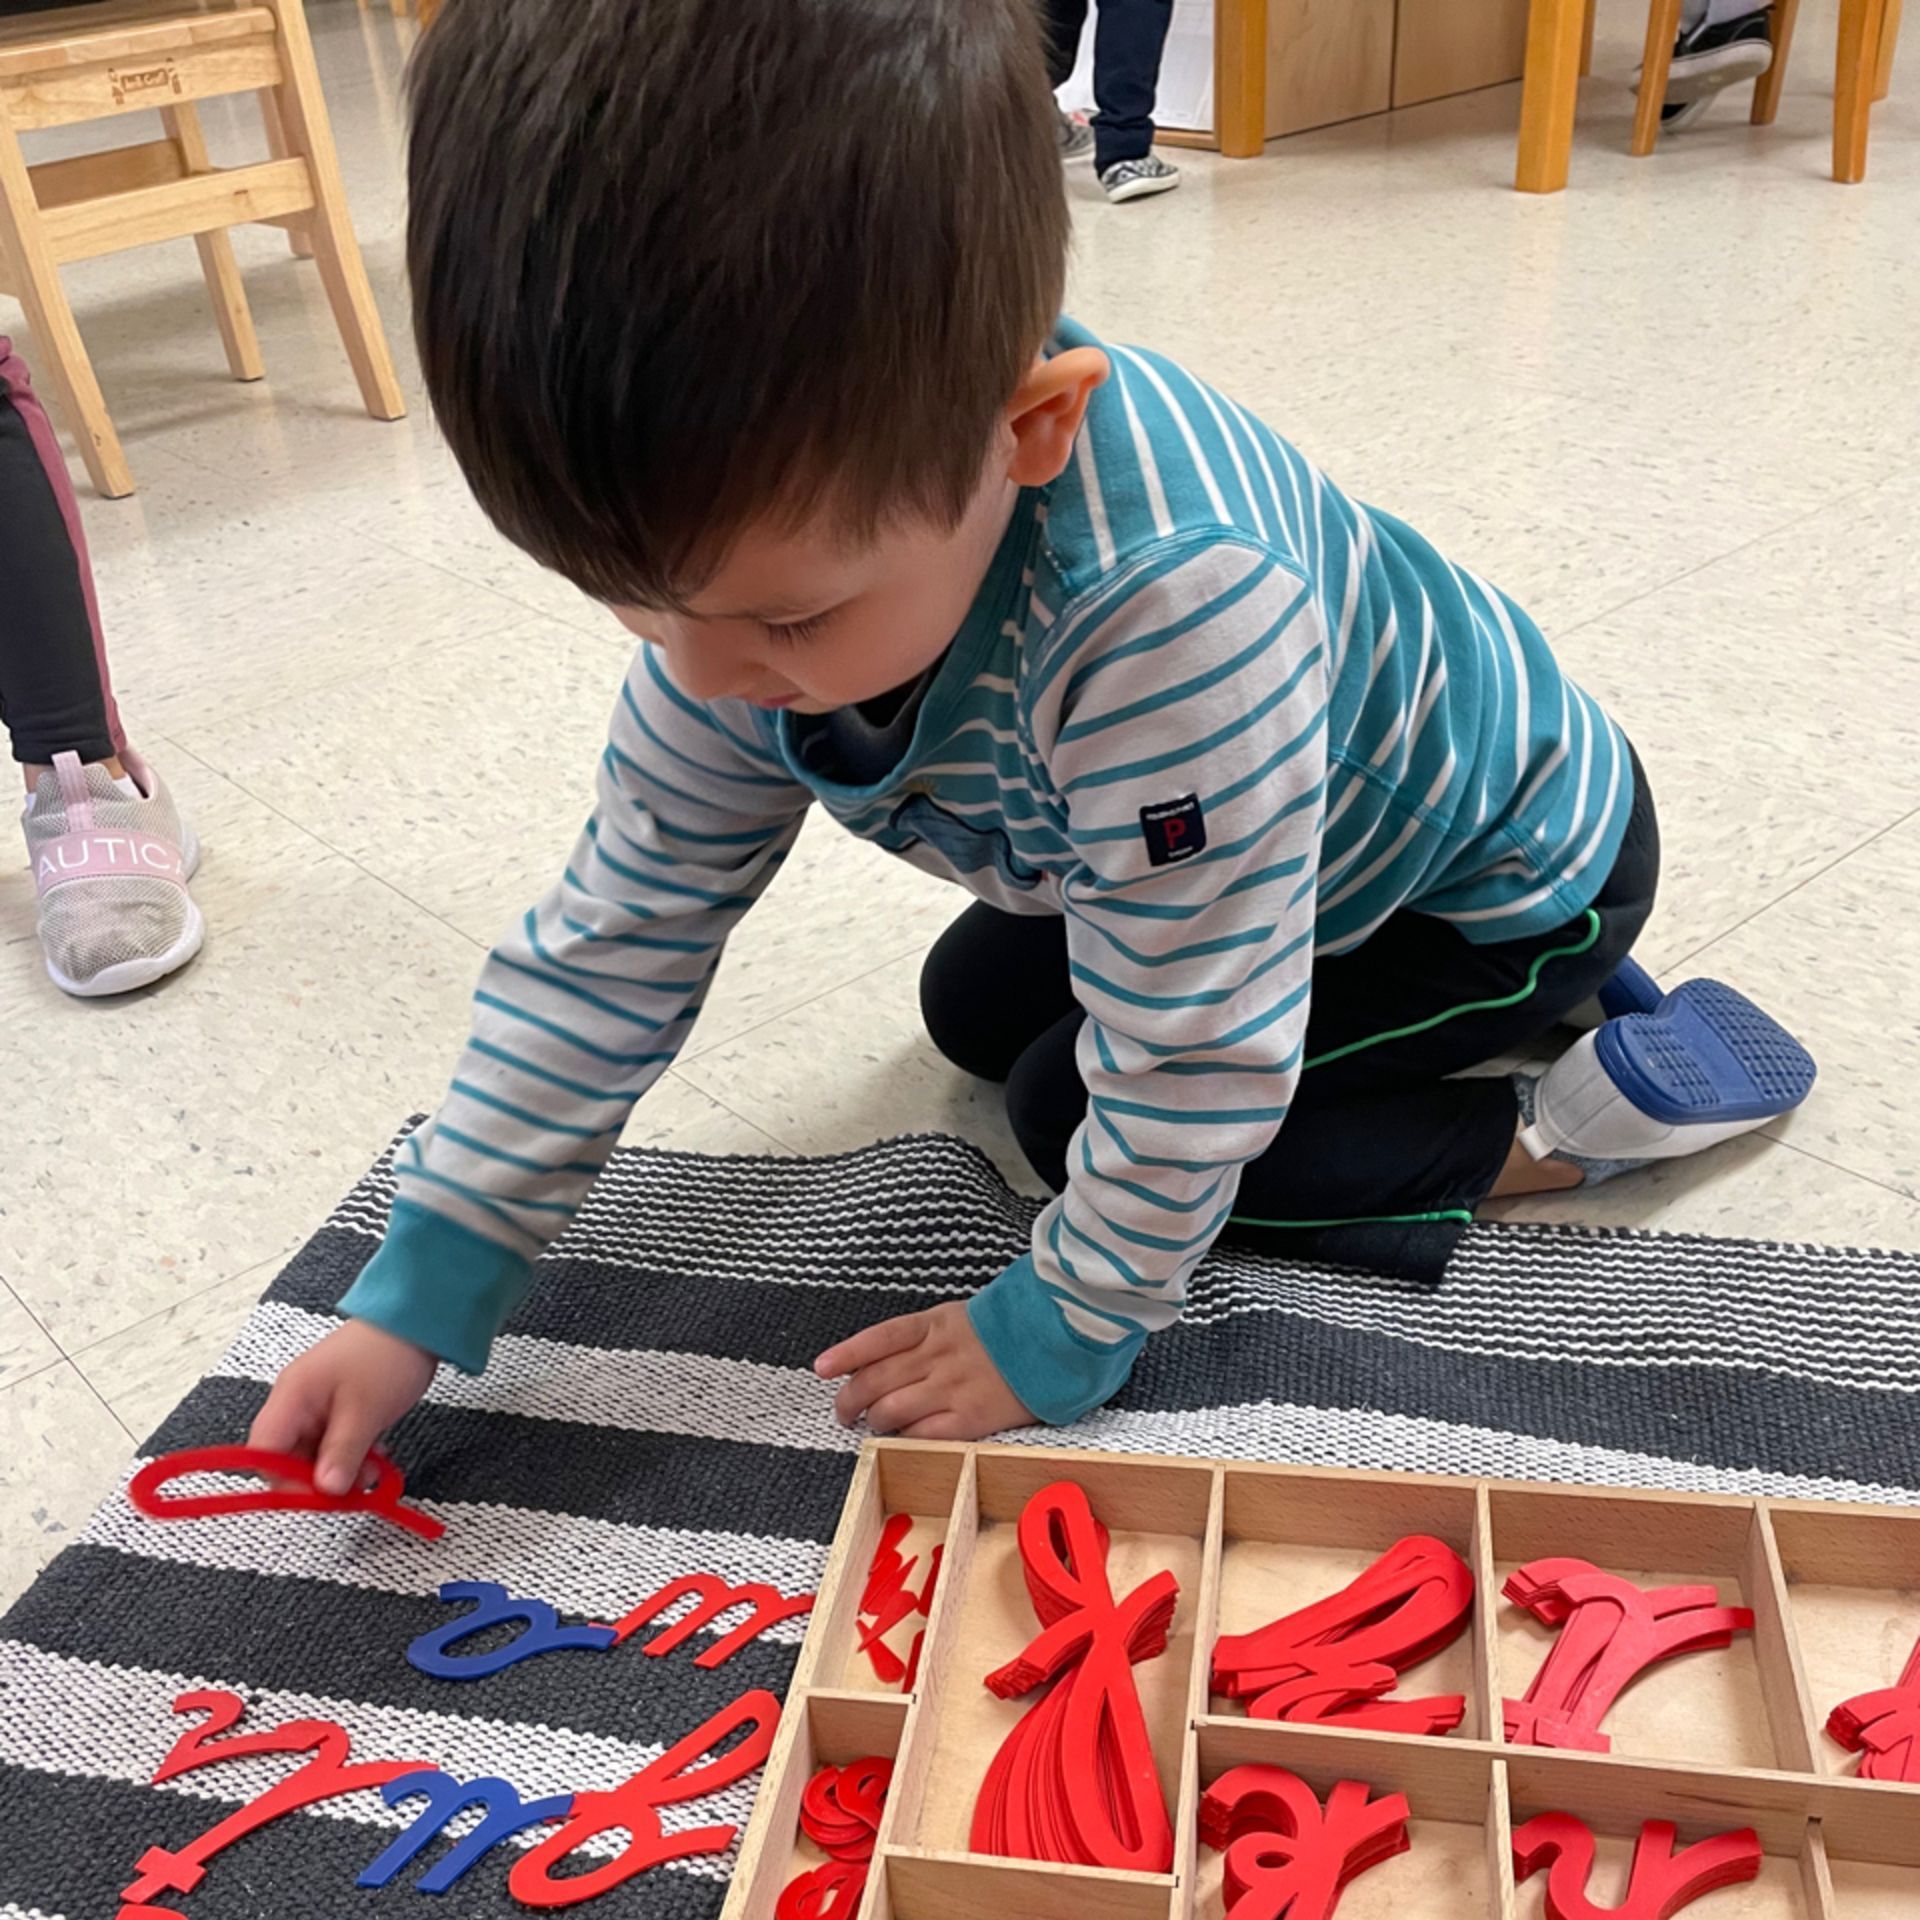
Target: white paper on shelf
(1186, 73)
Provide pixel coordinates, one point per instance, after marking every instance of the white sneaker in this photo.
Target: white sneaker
(1702, 1067)
(1135, 179)
(111, 861)
(1076, 137)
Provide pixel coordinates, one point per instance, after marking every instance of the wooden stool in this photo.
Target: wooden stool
(1558, 29)
(92, 62)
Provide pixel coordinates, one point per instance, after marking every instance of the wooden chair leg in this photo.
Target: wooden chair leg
(1889, 39)
(1663, 28)
(1555, 29)
(343, 273)
(229, 296)
(1773, 83)
(64, 361)
(1855, 71)
(297, 237)
(1586, 38)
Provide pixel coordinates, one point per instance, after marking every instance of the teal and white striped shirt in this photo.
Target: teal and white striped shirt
(1191, 635)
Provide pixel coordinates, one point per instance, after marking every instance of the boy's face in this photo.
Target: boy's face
(800, 620)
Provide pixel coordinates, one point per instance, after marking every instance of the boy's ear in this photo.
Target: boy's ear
(1046, 411)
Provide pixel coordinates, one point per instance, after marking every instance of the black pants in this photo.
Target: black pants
(1384, 1156)
(54, 694)
(1129, 38)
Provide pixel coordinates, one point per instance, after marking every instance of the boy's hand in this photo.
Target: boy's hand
(339, 1397)
(925, 1375)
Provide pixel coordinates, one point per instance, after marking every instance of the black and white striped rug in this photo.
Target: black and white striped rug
(651, 1413)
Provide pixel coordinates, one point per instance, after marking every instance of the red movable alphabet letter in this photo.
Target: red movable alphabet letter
(1287, 1856)
(326, 1775)
(824, 1893)
(1883, 1728)
(713, 1597)
(888, 1599)
(293, 1489)
(1075, 1782)
(1611, 1632)
(1661, 1883)
(1332, 1662)
(701, 1764)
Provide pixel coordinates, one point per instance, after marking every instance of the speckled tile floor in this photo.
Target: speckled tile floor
(1675, 410)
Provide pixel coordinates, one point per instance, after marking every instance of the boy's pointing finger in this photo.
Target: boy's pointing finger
(875, 1343)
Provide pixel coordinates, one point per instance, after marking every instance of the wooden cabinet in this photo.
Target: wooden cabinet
(1453, 46)
(1282, 66)
(1328, 60)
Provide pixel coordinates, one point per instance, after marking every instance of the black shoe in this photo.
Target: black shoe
(1710, 59)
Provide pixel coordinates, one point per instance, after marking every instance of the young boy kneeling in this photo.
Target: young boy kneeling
(745, 317)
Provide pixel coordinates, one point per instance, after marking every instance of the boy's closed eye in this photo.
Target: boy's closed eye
(794, 633)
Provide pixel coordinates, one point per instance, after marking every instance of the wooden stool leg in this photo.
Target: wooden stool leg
(1889, 38)
(1771, 84)
(1554, 32)
(229, 296)
(277, 146)
(36, 283)
(1855, 71)
(1586, 38)
(343, 273)
(1663, 28)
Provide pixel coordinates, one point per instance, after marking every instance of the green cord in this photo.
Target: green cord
(1461, 1214)
(1586, 945)
(1361, 1219)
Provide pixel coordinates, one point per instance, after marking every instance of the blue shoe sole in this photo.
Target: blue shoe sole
(1631, 990)
(1705, 1054)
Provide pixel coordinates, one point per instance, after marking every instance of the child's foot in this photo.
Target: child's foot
(1702, 1067)
(1714, 56)
(1631, 990)
(111, 861)
(1076, 138)
(1135, 179)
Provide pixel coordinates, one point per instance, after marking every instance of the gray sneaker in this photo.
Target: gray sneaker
(1135, 179)
(111, 863)
(1076, 138)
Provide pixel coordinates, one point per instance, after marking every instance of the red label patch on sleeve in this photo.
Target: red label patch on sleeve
(1175, 830)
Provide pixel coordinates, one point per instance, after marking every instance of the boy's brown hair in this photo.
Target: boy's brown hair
(682, 265)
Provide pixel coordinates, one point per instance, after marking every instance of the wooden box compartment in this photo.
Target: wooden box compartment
(1158, 1519)
(920, 1484)
(1291, 1539)
(1873, 1889)
(1615, 1803)
(932, 1886)
(822, 1729)
(1712, 1741)
(1456, 1867)
(1853, 1593)
(1732, 1707)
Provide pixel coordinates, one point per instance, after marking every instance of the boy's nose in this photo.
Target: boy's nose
(710, 668)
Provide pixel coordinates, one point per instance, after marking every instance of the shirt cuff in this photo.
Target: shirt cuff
(1058, 1373)
(440, 1285)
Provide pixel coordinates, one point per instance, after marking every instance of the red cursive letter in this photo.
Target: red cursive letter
(326, 1775)
(670, 1781)
(1075, 1782)
(1287, 1857)
(1610, 1632)
(382, 1498)
(1662, 1882)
